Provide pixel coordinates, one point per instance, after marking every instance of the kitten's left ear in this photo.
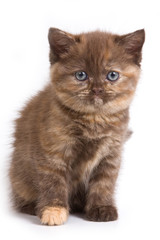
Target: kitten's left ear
(133, 43)
(60, 43)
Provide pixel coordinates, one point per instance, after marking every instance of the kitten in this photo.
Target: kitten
(69, 138)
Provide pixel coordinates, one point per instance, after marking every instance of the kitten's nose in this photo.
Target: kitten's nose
(97, 90)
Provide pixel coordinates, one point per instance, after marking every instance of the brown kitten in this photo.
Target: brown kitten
(69, 138)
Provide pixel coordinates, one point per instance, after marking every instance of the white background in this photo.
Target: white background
(24, 69)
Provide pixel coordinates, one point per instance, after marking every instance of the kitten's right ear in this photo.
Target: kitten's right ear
(60, 43)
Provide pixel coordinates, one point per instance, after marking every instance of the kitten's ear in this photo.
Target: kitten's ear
(133, 43)
(60, 43)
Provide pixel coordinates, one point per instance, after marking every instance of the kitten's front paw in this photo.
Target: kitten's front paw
(54, 216)
(102, 214)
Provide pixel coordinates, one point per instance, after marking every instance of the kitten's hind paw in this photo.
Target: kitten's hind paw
(102, 214)
(54, 216)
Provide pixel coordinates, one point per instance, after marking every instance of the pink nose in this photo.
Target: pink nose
(97, 90)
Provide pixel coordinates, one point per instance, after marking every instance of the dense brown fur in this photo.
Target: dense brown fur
(69, 138)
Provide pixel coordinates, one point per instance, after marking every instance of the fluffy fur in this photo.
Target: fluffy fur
(69, 138)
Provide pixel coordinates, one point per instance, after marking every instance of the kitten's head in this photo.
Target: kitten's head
(95, 71)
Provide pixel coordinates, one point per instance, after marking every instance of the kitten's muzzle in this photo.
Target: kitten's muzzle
(97, 91)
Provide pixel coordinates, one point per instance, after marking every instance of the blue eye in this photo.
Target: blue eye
(112, 76)
(81, 76)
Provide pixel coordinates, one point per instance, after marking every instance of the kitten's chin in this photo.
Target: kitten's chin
(97, 101)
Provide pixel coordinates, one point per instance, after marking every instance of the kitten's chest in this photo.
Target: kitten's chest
(87, 156)
(92, 127)
(92, 139)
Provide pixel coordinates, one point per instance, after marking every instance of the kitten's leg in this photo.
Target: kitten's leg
(100, 203)
(23, 193)
(52, 207)
(22, 205)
